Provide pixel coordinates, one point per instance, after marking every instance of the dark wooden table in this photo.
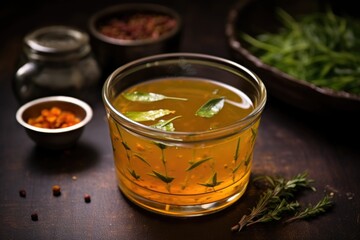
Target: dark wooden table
(290, 141)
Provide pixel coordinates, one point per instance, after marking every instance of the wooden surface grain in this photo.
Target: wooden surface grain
(290, 141)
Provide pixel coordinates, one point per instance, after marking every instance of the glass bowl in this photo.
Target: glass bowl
(200, 164)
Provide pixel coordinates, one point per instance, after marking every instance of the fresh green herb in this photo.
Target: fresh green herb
(312, 211)
(247, 161)
(236, 168)
(142, 159)
(212, 182)
(126, 146)
(165, 125)
(198, 163)
(133, 173)
(253, 135)
(236, 156)
(211, 107)
(321, 48)
(162, 177)
(165, 178)
(160, 145)
(278, 199)
(150, 115)
(148, 97)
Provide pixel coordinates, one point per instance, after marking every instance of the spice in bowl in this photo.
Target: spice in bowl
(54, 118)
(55, 122)
(138, 26)
(125, 32)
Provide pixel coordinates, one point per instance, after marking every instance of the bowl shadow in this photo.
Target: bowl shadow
(75, 159)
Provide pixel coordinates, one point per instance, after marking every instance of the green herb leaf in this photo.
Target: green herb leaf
(198, 163)
(160, 145)
(150, 115)
(236, 168)
(148, 97)
(212, 182)
(126, 146)
(321, 48)
(133, 173)
(273, 202)
(253, 135)
(163, 178)
(211, 107)
(247, 161)
(236, 156)
(142, 159)
(312, 211)
(165, 125)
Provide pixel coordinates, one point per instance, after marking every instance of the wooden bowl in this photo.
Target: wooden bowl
(259, 16)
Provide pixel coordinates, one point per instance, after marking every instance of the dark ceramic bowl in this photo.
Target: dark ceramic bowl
(112, 52)
(60, 138)
(259, 16)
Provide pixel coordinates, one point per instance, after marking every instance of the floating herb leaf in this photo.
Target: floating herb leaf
(253, 135)
(165, 125)
(126, 146)
(142, 159)
(236, 168)
(133, 173)
(198, 163)
(148, 97)
(160, 145)
(212, 182)
(247, 161)
(211, 107)
(236, 156)
(163, 178)
(150, 115)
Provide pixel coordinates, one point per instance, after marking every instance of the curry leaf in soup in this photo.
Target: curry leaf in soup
(165, 125)
(211, 107)
(150, 115)
(148, 97)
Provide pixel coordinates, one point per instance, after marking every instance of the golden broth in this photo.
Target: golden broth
(184, 173)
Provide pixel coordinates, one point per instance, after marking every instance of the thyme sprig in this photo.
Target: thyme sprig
(278, 199)
(312, 211)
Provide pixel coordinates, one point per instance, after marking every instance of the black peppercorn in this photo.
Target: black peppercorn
(22, 193)
(34, 217)
(87, 198)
